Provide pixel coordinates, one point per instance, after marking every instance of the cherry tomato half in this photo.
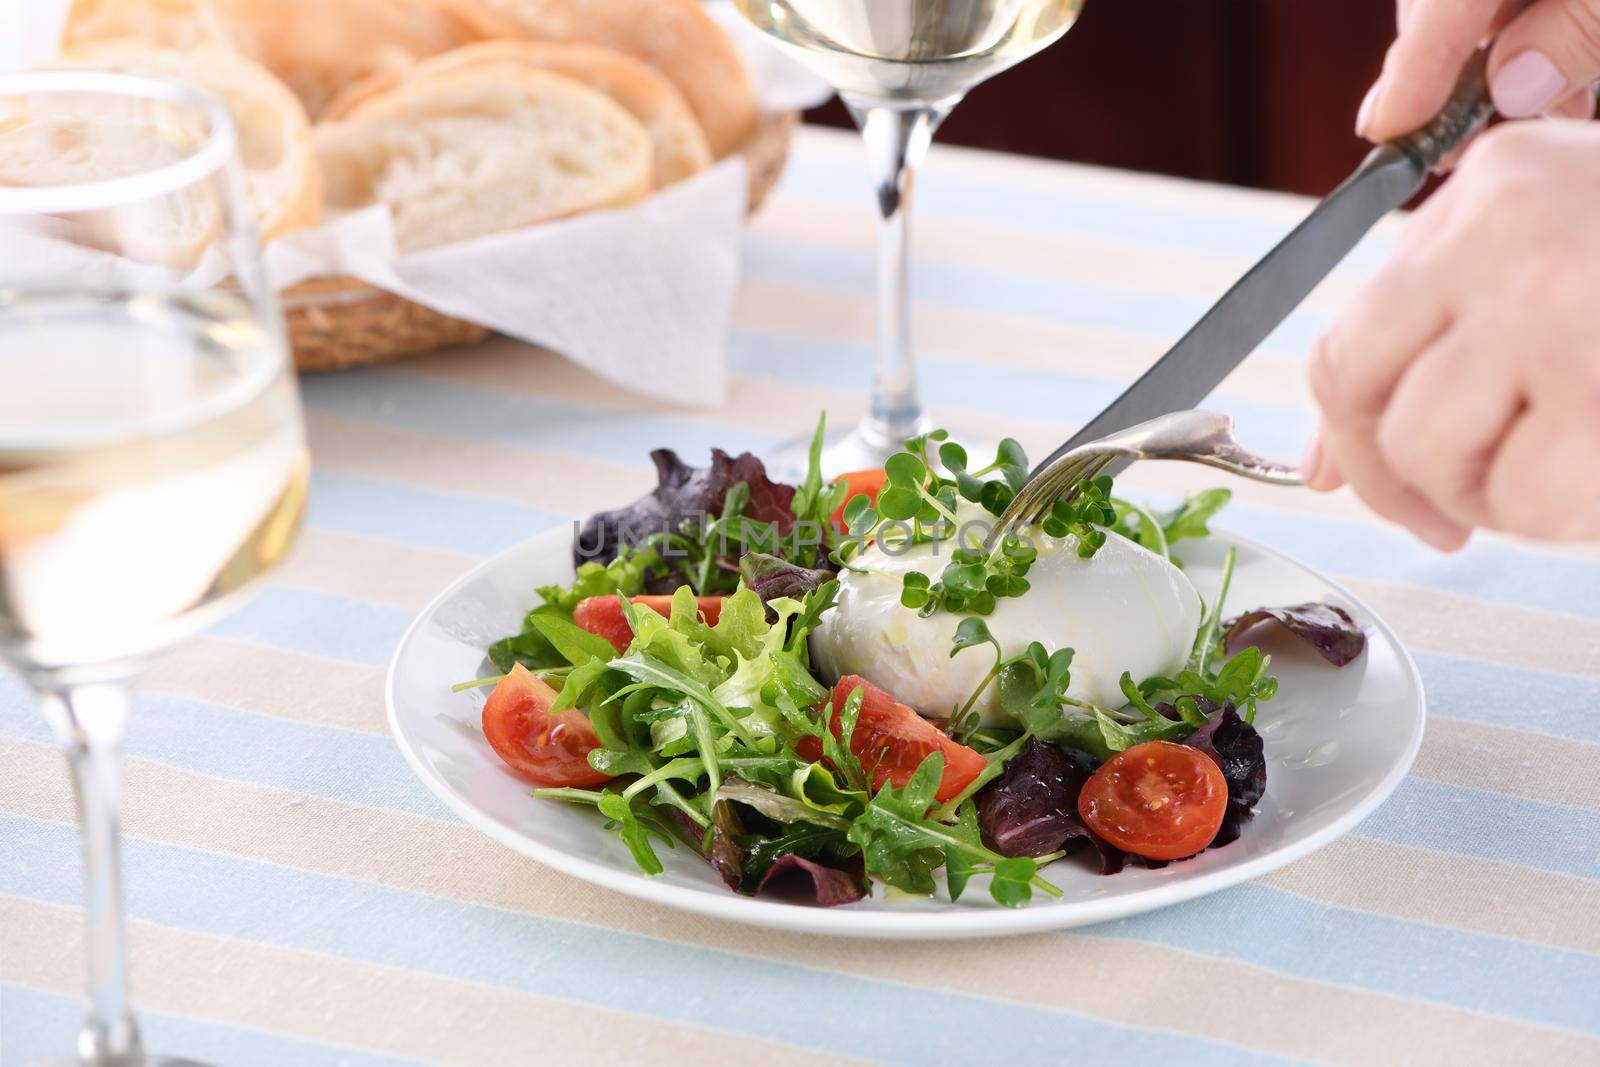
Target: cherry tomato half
(602, 615)
(547, 750)
(891, 740)
(1158, 800)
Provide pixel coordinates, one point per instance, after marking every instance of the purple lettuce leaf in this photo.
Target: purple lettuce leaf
(772, 578)
(1032, 808)
(1326, 628)
(788, 865)
(792, 874)
(684, 493)
(1238, 750)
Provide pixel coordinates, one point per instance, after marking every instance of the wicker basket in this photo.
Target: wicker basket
(336, 323)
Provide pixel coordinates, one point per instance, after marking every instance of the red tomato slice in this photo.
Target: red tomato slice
(891, 740)
(547, 750)
(859, 482)
(1158, 800)
(602, 615)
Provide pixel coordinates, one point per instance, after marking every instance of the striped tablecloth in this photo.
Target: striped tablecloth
(298, 899)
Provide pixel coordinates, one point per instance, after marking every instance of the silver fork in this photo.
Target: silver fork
(1196, 436)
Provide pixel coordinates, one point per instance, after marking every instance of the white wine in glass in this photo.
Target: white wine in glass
(900, 66)
(152, 457)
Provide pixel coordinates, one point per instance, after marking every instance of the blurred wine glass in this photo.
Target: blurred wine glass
(152, 458)
(900, 66)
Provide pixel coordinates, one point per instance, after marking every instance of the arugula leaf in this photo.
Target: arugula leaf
(1190, 518)
(579, 683)
(1118, 736)
(903, 846)
(577, 646)
(634, 831)
(528, 648)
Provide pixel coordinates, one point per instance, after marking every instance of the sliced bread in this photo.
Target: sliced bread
(679, 146)
(676, 37)
(483, 149)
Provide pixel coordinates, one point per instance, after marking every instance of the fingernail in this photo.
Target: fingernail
(1312, 459)
(1527, 85)
(1368, 104)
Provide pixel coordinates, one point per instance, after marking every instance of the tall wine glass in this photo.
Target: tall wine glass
(900, 66)
(152, 458)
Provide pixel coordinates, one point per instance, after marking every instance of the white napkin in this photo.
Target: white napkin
(641, 295)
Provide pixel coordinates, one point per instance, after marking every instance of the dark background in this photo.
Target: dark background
(1251, 92)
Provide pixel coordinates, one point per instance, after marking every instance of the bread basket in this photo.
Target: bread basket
(335, 323)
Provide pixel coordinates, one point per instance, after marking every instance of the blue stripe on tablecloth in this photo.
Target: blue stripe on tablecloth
(1492, 571)
(458, 522)
(431, 406)
(1560, 705)
(40, 1027)
(1065, 302)
(242, 746)
(265, 903)
(1140, 219)
(1286, 932)
(318, 624)
(1490, 825)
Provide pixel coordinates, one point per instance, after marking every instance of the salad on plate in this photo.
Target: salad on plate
(824, 686)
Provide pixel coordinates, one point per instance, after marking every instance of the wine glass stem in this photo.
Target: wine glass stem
(897, 138)
(89, 720)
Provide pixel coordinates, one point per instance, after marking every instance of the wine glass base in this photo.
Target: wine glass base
(855, 449)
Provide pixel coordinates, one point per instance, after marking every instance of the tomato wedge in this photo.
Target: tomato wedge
(547, 750)
(602, 615)
(891, 740)
(858, 483)
(1158, 800)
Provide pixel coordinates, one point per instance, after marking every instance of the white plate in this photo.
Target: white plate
(1338, 741)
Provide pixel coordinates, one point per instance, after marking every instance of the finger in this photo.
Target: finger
(1436, 39)
(1578, 105)
(1545, 54)
(1544, 481)
(1446, 418)
(1318, 468)
(1395, 316)
(1354, 450)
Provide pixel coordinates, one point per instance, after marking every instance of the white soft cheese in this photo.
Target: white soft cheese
(1126, 609)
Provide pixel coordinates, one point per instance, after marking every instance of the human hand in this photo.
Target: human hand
(1545, 59)
(1461, 387)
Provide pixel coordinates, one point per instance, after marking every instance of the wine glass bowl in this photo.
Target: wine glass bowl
(900, 66)
(152, 457)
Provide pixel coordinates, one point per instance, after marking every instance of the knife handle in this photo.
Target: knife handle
(1468, 108)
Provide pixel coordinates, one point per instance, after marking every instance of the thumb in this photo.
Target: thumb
(1545, 55)
(1436, 39)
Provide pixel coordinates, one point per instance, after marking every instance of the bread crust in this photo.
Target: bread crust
(676, 37)
(679, 146)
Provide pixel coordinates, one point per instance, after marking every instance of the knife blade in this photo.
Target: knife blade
(1258, 302)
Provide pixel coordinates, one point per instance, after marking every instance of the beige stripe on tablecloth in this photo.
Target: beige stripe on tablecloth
(1072, 972)
(332, 999)
(558, 482)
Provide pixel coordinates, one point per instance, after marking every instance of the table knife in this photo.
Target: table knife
(1389, 176)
